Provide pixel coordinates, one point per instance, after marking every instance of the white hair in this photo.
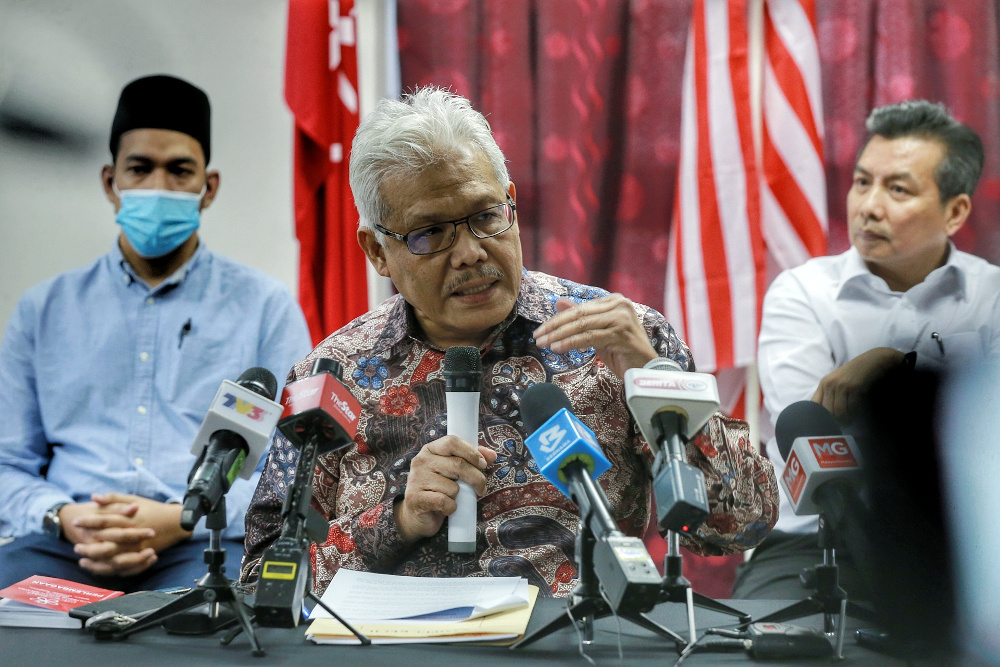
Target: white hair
(423, 129)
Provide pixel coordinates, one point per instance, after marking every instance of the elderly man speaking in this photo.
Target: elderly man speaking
(439, 217)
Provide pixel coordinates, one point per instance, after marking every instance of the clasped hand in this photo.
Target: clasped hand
(120, 534)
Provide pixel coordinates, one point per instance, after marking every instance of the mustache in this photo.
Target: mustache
(469, 276)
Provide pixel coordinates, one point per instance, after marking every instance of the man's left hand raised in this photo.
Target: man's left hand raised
(609, 325)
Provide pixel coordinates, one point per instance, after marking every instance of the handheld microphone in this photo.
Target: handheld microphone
(233, 436)
(320, 416)
(670, 406)
(462, 375)
(569, 456)
(821, 467)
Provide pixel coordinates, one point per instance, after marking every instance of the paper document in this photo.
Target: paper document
(504, 627)
(364, 596)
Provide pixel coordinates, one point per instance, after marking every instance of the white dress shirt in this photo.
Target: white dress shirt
(821, 314)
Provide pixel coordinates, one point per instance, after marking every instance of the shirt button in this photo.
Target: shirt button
(138, 462)
(144, 356)
(141, 409)
(149, 301)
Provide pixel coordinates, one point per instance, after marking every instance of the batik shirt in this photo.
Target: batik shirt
(525, 526)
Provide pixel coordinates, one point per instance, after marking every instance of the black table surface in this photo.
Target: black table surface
(37, 647)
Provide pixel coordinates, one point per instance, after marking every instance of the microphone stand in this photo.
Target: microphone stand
(292, 547)
(829, 599)
(676, 588)
(224, 605)
(586, 603)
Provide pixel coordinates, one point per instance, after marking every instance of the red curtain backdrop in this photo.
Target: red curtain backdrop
(584, 97)
(321, 84)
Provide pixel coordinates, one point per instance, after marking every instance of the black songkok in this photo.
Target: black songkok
(162, 102)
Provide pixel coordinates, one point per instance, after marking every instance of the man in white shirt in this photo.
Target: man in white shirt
(834, 325)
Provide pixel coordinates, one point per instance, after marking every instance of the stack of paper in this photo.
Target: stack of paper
(392, 610)
(42, 602)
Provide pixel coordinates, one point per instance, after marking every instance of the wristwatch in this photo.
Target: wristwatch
(51, 525)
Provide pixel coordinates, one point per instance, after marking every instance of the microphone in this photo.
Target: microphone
(232, 438)
(320, 416)
(569, 456)
(462, 374)
(670, 406)
(823, 469)
(320, 407)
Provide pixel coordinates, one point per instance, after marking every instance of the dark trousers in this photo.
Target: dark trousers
(180, 565)
(772, 573)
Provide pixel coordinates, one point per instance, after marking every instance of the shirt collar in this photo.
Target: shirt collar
(854, 269)
(176, 278)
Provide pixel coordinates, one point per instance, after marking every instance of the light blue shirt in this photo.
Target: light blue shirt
(104, 381)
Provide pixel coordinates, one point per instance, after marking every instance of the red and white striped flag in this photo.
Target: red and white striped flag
(321, 89)
(728, 213)
(716, 268)
(793, 192)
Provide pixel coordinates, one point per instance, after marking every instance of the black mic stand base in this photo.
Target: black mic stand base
(582, 611)
(829, 599)
(587, 604)
(676, 588)
(214, 590)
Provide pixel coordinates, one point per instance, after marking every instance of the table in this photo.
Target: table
(40, 647)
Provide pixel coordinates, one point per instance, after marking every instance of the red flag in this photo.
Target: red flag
(793, 194)
(321, 89)
(716, 271)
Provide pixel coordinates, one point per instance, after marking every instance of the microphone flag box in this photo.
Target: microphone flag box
(562, 440)
(319, 399)
(647, 391)
(243, 412)
(813, 461)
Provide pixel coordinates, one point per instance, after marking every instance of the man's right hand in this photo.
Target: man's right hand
(109, 542)
(431, 486)
(842, 391)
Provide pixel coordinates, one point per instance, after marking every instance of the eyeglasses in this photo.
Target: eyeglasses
(441, 235)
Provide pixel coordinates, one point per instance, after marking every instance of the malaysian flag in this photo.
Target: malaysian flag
(729, 212)
(793, 191)
(716, 268)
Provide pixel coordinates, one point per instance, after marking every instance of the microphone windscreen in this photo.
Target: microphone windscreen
(663, 364)
(260, 381)
(462, 368)
(540, 402)
(803, 419)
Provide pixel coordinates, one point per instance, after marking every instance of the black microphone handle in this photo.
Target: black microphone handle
(295, 509)
(590, 498)
(213, 475)
(669, 426)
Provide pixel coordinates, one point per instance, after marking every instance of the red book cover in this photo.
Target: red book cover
(55, 594)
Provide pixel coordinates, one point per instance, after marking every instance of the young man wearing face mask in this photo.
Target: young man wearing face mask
(106, 371)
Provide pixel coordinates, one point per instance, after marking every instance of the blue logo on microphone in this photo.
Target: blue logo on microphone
(561, 440)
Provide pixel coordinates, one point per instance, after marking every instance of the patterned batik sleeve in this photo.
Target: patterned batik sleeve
(263, 519)
(360, 538)
(362, 533)
(742, 490)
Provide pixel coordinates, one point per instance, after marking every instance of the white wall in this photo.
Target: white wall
(62, 66)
